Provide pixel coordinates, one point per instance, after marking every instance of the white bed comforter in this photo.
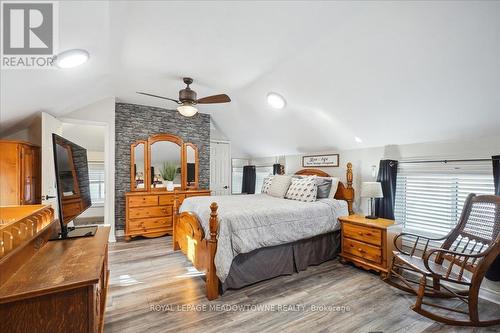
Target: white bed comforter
(249, 222)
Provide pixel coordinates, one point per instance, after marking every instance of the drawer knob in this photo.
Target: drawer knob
(360, 233)
(361, 250)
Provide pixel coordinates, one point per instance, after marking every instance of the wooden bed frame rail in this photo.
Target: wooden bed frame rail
(189, 237)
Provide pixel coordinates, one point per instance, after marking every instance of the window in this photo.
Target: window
(261, 172)
(96, 179)
(430, 196)
(237, 180)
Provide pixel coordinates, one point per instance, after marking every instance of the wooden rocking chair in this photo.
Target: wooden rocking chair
(472, 246)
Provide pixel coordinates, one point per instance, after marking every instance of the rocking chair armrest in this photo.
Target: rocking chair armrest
(417, 238)
(428, 254)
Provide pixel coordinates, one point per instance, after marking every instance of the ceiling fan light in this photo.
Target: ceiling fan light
(276, 100)
(187, 110)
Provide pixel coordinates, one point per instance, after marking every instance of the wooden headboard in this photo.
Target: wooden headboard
(344, 191)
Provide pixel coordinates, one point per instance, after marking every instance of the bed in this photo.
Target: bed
(243, 239)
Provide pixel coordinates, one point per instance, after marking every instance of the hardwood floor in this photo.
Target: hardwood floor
(152, 288)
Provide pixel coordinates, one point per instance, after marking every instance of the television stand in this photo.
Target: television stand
(77, 232)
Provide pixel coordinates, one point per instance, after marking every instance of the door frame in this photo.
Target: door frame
(109, 173)
(229, 180)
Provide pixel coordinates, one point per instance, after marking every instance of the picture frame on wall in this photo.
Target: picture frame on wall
(328, 160)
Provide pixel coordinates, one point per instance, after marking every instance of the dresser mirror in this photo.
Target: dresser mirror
(166, 165)
(191, 151)
(163, 162)
(138, 176)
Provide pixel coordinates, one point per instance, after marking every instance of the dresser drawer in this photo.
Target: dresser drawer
(150, 223)
(169, 199)
(363, 250)
(158, 211)
(363, 234)
(141, 201)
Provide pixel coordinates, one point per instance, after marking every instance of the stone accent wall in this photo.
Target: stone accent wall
(137, 122)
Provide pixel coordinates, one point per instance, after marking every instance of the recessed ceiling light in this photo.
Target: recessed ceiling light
(276, 100)
(71, 58)
(358, 139)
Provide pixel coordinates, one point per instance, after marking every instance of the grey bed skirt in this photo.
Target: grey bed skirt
(269, 262)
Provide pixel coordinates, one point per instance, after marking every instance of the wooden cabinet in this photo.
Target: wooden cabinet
(151, 214)
(61, 289)
(20, 173)
(368, 243)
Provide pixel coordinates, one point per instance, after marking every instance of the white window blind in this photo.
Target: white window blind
(236, 180)
(96, 180)
(430, 196)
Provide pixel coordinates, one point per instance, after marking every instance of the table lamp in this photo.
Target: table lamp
(371, 190)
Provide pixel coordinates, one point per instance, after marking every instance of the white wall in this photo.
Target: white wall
(364, 161)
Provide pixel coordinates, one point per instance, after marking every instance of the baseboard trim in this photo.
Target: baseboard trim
(490, 295)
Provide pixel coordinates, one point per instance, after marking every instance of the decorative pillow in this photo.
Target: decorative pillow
(324, 185)
(266, 184)
(303, 189)
(279, 186)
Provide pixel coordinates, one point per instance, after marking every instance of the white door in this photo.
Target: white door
(50, 125)
(220, 167)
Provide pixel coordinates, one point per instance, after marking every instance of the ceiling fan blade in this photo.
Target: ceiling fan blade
(170, 99)
(222, 98)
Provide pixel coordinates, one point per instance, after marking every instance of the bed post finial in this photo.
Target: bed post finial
(349, 175)
(349, 193)
(213, 221)
(212, 283)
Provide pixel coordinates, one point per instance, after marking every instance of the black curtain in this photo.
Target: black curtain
(387, 173)
(276, 169)
(496, 173)
(493, 273)
(248, 185)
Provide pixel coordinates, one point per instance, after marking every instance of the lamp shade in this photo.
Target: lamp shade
(371, 190)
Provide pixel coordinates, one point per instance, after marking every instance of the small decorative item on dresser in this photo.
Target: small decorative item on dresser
(168, 173)
(371, 190)
(368, 243)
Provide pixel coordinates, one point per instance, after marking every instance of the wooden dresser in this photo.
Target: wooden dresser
(368, 243)
(20, 173)
(61, 288)
(150, 214)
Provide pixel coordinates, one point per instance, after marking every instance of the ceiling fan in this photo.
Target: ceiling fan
(187, 99)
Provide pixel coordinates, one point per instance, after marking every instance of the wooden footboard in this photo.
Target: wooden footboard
(189, 237)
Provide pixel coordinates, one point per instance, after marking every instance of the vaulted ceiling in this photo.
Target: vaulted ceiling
(386, 72)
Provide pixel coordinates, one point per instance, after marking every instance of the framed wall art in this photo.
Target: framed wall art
(329, 160)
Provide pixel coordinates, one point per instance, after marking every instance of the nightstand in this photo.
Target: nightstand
(368, 243)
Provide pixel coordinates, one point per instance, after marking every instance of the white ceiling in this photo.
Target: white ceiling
(90, 137)
(387, 72)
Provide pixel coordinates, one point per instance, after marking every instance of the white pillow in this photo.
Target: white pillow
(335, 185)
(303, 189)
(266, 184)
(279, 186)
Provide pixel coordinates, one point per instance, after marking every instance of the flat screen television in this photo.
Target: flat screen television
(73, 186)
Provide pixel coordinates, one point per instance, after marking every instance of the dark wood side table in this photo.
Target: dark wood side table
(368, 243)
